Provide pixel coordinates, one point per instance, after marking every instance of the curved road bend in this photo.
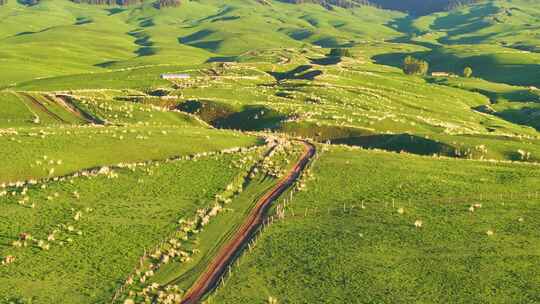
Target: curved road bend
(227, 253)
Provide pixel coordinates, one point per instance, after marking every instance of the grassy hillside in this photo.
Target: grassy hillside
(508, 23)
(87, 233)
(360, 243)
(112, 38)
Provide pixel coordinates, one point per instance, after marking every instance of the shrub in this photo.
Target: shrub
(467, 72)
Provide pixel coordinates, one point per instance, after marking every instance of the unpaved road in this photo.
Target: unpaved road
(230, 250)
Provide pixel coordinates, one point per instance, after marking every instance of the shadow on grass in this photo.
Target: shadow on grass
(221, 115)
(525, 116)
(222, 59)
(302, 72)
(328, 60)
(399, 142)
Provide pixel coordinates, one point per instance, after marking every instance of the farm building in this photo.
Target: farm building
(175, 76)
(440, 74)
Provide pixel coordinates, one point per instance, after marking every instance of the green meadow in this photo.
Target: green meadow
(118, 185)
(477, 241)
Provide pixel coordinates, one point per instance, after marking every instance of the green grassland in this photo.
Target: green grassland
(120, 217)
(40, 153)
(364, 247)
(264, 168)
(81, 89)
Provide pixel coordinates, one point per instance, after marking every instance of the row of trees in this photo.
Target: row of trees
(167, 3)
(413, 66)
(110, 2)
(158, 4)
(329, 3)
(417, 7)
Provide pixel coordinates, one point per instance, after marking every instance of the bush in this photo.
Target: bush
(413, 66)
(467, 72)
(340, 53)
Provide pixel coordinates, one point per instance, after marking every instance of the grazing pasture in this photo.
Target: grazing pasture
(434, 231)
(37, 153)
(75, 240)
(119, 185)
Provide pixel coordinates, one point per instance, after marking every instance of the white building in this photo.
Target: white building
(175, 76)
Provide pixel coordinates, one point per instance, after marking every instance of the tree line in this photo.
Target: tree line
(422, 7)
(110, 2)
(158, 4)
(414, 66)
(418, 7)
(167, 3)
(330, 3)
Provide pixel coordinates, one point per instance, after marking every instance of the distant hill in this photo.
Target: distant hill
(417, 7)
(421, 7)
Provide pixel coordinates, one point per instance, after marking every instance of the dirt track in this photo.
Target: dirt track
(44, 109)
(226, 255)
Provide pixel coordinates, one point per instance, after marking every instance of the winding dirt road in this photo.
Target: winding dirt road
(226, 255)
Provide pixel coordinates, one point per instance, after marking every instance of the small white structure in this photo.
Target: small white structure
(175, 76)
(440, 74)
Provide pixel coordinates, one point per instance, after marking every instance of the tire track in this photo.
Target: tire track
(227, 254)
(42, 108)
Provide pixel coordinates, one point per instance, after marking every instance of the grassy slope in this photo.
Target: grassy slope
(498, 39)
(79, 148)
(339, 254)
(14, 112)
(130, 213)
(360, 103)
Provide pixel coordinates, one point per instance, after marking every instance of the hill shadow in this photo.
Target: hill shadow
(115, 10)
(302, 72)
(197, 40)
(31, 33)
(222, 59)
(83, 20)
(221, 115)
(328, 60)
(106, 64)
(146, 22)
(225, 18)
(399, 142)
(526, 116)
(300, 34)
(145, 44)
(199, 35)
